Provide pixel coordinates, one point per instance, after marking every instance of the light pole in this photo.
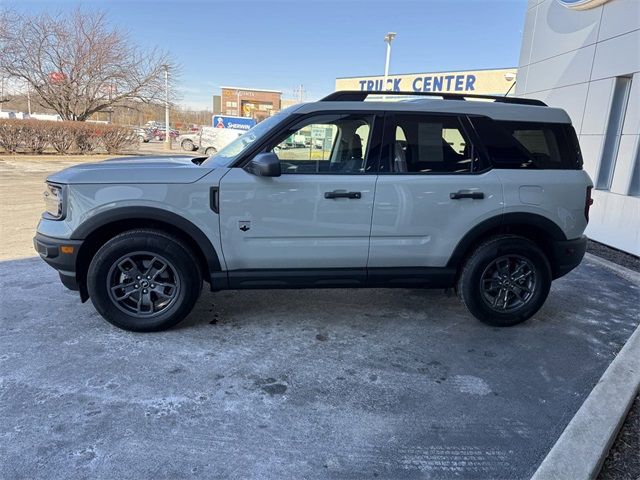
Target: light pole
(388, 38)
(167, 134)
(510, 77)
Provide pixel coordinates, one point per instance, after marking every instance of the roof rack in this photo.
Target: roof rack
(359, 96)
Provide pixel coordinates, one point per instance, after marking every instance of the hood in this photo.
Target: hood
(136, 170)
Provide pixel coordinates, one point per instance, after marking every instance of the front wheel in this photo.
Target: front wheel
(505, 281)
(144, 280)
(210, 151)
(188, 145)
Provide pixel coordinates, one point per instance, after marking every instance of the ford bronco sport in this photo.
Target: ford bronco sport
(487, 197)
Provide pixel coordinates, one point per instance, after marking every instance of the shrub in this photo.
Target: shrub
(62, 135)
(10, 135)
(88, 138)
(35, 136)
(116, 139)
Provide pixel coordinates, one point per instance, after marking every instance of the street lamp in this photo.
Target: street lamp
(167, 135)
(388, 38)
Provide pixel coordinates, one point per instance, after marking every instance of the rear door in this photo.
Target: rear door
(432, 188)
(317, 214)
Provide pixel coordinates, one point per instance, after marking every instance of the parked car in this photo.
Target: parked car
(208, 140)
(152, 124)
(143, 134)
(160, 133)
(488, 198)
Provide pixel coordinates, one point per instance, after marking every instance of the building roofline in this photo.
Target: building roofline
(430, 73)
(251, 89)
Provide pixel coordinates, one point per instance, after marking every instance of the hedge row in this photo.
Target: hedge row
(34, 136)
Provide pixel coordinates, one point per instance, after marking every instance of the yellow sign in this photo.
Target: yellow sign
(479, 82)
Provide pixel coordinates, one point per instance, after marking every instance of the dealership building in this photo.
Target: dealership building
(584, 56)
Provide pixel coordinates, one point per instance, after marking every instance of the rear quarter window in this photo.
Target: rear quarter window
(530, 145)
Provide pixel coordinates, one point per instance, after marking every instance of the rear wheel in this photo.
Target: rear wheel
(210, 151)
(144, 280)
(505, 281)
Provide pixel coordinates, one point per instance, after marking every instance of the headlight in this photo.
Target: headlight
(54, 201)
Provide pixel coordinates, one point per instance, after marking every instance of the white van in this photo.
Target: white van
(209, 140)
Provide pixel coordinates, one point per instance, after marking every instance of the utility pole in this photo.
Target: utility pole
(1, 92)
(29, 99)
(167, 134)
(110, 106)
(388, 38)
(300, 92)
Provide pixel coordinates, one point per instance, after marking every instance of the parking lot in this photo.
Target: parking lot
(289, 383)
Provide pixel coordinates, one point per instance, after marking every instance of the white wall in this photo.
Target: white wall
(570, 59)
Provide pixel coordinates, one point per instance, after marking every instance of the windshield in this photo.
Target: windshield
(228, 154)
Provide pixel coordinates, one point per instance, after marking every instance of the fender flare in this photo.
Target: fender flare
(150, 213)
(500, 223)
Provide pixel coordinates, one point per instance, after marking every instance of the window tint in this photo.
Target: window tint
(528, 144)
(429, 144)
(326, 144)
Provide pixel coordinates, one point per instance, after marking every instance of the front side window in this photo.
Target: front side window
(428, 144)
(331, 144)
(236, 148)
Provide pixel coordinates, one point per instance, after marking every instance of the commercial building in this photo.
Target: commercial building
(249, 102)
(495, 81)
(584, 56)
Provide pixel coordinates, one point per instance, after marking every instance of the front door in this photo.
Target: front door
(317, 214)
(432, 189)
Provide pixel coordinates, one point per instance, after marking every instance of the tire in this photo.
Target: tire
(125, 298)
(210, 151)
(187, 145)
(505, 281)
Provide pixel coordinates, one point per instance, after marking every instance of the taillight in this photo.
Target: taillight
(587, 203)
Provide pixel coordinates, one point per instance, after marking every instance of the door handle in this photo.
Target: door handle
(466, 194)
(342, 194)
(214, 199)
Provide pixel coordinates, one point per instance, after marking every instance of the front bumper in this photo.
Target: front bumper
(567, 255)
(62, 259)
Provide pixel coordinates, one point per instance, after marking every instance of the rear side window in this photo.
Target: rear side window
(529, 144)
(427, 144)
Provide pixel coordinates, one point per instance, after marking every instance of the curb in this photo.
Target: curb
(585, 442)
(627, 274)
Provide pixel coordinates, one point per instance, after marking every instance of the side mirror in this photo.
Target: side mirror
(265, 164)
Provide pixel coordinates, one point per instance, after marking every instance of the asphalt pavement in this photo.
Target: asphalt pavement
(339, 384)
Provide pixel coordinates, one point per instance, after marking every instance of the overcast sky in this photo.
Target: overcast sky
(281, 44)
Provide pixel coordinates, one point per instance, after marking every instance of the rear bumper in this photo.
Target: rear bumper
(65, 263)
(567, 255)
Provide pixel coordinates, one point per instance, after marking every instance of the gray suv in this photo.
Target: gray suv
(487, 197)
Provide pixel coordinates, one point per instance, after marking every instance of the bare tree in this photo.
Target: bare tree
(77, 64)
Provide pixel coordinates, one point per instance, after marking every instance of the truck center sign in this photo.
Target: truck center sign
(479, 82)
